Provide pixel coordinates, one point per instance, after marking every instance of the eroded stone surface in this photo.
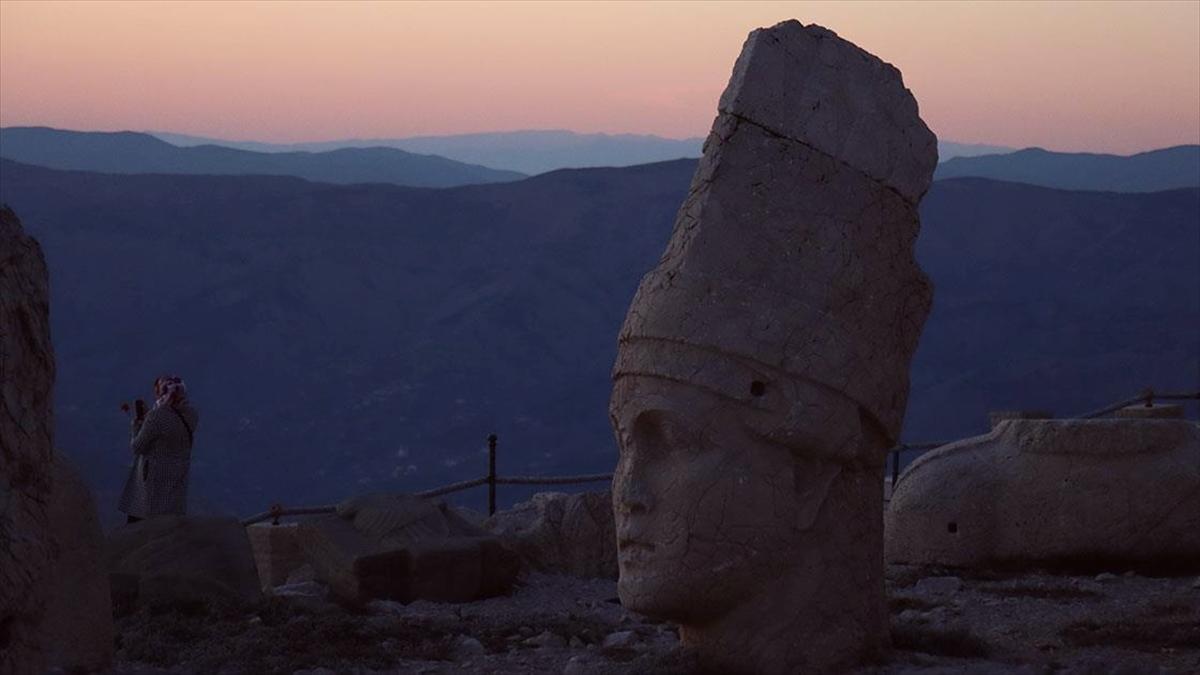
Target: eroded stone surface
(762, 368)
(276, 552)
(170, 559)
(562, 533)
(829, 94)
(399, 547)
(77, 633)
(1032, 492)
(26, 446)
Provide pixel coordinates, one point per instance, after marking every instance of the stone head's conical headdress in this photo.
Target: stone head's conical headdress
(792, 257)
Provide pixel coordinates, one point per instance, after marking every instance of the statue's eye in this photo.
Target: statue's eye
(757, 388)
(658, 432)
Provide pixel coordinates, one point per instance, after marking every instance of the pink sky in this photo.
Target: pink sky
(1098, 76)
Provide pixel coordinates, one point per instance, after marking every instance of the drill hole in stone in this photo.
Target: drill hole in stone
(952, 528)
(757, 388)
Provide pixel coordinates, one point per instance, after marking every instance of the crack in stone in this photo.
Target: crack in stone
(772, 132)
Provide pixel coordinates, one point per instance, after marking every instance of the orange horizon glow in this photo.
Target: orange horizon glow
(1100, 77)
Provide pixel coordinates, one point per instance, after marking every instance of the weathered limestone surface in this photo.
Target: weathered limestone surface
(26, 446)
(276, 552)
(404, 548)
(1099, 493)
(170, 559)
(762, 369)
(78, 629)
(562, 533)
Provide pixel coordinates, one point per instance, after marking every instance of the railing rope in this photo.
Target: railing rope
(277, 511)
(453, 487)
(553, 480)
(1147, 397)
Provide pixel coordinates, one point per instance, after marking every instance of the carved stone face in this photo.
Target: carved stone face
(706, 507)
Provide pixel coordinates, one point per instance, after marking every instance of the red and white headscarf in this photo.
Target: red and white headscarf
(169, 390)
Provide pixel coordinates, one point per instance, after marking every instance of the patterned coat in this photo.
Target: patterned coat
(162, 450)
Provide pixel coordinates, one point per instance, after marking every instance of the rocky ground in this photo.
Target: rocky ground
(1031, 623)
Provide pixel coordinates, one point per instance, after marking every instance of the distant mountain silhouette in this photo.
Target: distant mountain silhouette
(344, 339)
(527, 151)
(129, 152)
(1152, 171)
(535, 151)
(948, 150)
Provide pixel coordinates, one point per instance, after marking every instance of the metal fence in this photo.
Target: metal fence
(277, 511)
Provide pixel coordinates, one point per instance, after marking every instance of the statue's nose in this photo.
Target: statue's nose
(633, 495)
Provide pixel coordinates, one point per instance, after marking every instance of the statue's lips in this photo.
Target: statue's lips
(633, 552)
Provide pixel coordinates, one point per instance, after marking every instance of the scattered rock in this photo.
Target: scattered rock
(182, 559)
(547, 640)
(562, 533)
(405, 548)
(1036, 492)
(1105, 576)
(575, 642)
(621, 640)
(938, 585)
(467, 646)
(576, 666)
(303, 589)
(1196, 583)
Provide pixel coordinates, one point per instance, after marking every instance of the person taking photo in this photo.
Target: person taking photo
(161, 440)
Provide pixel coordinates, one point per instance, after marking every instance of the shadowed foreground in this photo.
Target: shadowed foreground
(1035, 623)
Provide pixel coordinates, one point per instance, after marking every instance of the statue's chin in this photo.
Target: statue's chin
(661, 596)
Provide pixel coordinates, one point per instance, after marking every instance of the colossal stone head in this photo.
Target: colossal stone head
(762, 369)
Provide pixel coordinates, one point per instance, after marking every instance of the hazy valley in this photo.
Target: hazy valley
(342, 339)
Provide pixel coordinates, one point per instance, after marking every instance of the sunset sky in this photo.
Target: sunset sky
(1096, 76)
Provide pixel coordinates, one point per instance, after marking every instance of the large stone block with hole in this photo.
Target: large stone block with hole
(179, 560)
(1104, 493)
(403, 548)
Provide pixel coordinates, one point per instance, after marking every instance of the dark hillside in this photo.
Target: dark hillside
(342, 339)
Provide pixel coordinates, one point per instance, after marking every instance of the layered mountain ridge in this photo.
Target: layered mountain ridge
(130, 152)
(343, 339)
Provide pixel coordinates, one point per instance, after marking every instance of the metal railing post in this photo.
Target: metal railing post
(491, 477)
